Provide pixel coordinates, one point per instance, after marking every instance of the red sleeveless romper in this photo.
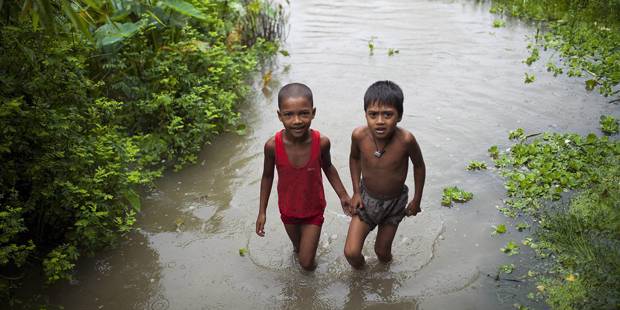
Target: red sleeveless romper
(301, 198)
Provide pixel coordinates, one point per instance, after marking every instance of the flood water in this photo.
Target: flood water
(464, 91)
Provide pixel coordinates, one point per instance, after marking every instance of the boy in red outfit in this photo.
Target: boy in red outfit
(299, 153)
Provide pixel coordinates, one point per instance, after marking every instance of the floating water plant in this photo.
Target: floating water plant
(522, 226)
(493, 151)
(243, 251)
(371, 45)
(609, 125)
(529, 78)
(498, 23)
(476, 165)
(517, 134)
(455, 194)
(499, 229)
(392, 51)
(510, 248)
(507, 268)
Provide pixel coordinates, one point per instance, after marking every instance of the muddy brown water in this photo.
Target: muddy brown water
(464, 91)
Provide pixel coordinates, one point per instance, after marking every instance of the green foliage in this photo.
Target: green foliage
(86, 118)
(529, 78)
(371, 45)
(517, 134)
(392, 51)
(455, 194)
(476, 165)
(498, 23)
(499, 229)
(584, 34)
(510, 248)
(609, 124)
(243, 251)
(507, 268)
(581, 236)
(522, 226)
(493, 151)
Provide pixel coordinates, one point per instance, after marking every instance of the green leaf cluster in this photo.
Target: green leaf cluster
(584, 35)
(476, 165)
(609, 124)
(455, 194)
(580, 234)
(89, 117)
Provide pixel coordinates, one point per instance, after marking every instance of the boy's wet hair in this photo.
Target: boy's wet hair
(384, 92)
(294, 90)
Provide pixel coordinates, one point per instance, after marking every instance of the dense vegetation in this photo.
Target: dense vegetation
(566, 183)
(570, 186)
(99, 97)
(585, 35)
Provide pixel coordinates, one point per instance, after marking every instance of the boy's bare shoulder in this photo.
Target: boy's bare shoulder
(359, 133)
(325, 143)
(270, 145)
(406, 136)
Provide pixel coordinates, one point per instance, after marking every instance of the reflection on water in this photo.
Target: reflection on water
(463, 85)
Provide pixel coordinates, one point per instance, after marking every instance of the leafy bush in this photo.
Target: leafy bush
(455, 194)
(581, 236)
(609, 124)
(583, 33)
(86, 118)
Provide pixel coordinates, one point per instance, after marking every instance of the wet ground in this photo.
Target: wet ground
(464, 91)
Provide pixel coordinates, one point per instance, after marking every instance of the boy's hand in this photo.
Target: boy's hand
(345, 202)
(413, 208)
(356, 203)
(260, 225)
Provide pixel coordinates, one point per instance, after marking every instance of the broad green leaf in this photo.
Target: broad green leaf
(184, 8)
(133, 198)
(109, 34)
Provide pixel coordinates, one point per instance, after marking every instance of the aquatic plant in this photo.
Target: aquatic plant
(455, 194)
(609, 124)
(583, 36)
(97, 98)
(476, 165)
(579, 234)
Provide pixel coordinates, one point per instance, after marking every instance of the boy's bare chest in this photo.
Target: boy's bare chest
(298, 154)
(392, 157)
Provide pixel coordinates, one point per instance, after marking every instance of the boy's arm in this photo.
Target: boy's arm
(355, 167)
(332, 174)
(419, 175)
(265, 185)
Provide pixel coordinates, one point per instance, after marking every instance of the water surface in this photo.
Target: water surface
(464, 91)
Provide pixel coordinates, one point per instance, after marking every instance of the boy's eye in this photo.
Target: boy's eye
(388, 114)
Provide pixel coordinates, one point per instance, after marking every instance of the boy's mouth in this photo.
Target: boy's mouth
(380, 131)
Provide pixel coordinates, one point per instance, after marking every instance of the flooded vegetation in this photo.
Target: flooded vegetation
(462, 74)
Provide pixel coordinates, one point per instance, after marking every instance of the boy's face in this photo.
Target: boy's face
(382, 119)
(296, 114)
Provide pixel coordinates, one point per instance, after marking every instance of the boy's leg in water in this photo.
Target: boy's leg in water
(308, 244)
(383, 244)
(294, 233)
(358, 231)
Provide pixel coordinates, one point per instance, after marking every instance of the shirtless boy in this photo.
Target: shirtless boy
(299, 153)
(378, 164)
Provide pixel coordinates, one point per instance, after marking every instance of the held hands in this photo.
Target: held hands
(345, 202)
(356, 203)
(260, 224)
(413, 208)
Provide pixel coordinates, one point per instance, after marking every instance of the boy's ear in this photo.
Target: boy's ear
(279, 115)
(313, 112)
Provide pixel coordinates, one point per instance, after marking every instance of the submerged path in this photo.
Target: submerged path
(464, 90)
